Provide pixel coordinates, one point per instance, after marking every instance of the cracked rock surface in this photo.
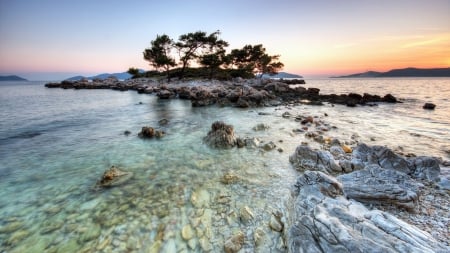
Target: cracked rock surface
(324, 220)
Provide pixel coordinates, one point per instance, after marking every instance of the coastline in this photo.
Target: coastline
(240, 92)
(256, 229)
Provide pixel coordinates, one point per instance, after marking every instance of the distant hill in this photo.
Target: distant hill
(12, 78)
(120, 76)
(407, 72)
(282, 75)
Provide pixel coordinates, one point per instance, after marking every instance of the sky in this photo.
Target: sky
(56, 39)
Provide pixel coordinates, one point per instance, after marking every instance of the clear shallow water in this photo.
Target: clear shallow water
(55, 144)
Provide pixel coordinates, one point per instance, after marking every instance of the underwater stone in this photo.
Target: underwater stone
(187, 232)
(234, 243)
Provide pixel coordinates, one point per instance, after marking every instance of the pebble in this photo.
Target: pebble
(246, 214)
(234, 243)
(187, 232)
(275, 224)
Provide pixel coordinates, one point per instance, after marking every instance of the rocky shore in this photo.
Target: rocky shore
(239, 92)
(365, 199)
(348, 196)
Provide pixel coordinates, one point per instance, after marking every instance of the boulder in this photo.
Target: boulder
(382, 156)
(389, 98)
(150, 132)
(323, 220)
(374, 185)
(429, 106)
(221, 135)
(418, 167)
(424, 167)
(114, 176)
(165, 94)
(203, 97)
(304, 158)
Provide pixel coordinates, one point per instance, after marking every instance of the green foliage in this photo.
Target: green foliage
(210, 52)
(134, 72)
(159, 54)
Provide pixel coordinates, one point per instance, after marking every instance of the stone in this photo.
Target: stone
(346, 149)
(113, 177)
(246, 214)
(187, 232)
(382, 156)
(163, 122)
(324, 220)
(261, 127)
(229, 178)
(165, 94)
(269, 146)
(286, 115)
(423, 167)
(275, 223)
(221, 135)
(307, 120)
(304, 158)
(234, 243)
(150, 132)
(92, 233)
(200, 198)
(429, 106)
(374, 185)
(389, 98)
(418, 167)
(11, 227)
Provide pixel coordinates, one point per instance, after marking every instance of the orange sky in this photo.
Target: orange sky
(314, 38)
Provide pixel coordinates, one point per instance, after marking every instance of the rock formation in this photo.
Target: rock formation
(221, 136)
(323, 220)
(113, 176)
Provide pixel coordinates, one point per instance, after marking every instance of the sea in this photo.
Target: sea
(55, 144)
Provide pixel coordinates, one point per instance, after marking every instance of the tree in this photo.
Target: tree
(254, 59)
(214, 55)
(268, 64)
(190, 44)
(159, 54)
(134, 72)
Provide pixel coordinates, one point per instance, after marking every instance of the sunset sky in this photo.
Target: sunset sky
(54, 39)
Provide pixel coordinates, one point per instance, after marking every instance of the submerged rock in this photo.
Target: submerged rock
(323, 220)
(150, 132)
(221, 136)
(114, 176)
(234, 243)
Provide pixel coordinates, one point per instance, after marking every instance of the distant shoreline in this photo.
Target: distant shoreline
(406, 72)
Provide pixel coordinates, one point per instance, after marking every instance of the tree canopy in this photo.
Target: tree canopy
(209, 52)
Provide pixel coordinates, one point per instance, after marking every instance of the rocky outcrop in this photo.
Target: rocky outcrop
(380, 186)
(240, 93)
(418, 167)
(221, 135)
(323, 220)
(150, 132)
(429, 106)
(113, 176)
(304, 158)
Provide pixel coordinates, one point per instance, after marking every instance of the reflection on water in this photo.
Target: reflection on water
(55, 145)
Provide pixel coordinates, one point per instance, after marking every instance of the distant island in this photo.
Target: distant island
(406, 72)
(12, 78)
(120, 76)
(282, 75)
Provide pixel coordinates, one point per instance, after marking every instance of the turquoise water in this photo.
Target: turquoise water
(55, 144)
